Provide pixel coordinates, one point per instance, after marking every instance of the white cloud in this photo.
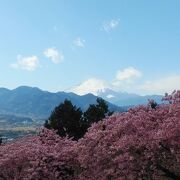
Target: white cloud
(110, 25)
(27, 63)
(127, 80)
(160, 86)
(109, 96)
(54, 55)
(92, 85)
(79, 42)
(128, 73)
(124, 80)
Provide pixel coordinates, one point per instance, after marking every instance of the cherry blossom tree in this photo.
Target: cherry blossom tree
(45, 156)
(143, 143)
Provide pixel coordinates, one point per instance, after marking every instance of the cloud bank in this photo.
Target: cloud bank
(161, 85)
(128, 80)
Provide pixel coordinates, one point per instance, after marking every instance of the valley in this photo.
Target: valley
(13, 127)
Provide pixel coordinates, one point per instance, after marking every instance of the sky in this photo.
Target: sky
(87, 46)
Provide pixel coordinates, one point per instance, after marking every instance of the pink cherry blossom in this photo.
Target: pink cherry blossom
(143, 143)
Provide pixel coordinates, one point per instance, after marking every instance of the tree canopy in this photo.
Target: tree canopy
(69, 120)
(142, 143)
(97, 112)
(66, 119)
(0, 139)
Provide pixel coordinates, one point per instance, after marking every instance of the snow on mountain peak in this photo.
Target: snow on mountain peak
(92, 85)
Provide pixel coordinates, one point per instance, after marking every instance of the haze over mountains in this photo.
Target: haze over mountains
(127, 99)
(36, 103)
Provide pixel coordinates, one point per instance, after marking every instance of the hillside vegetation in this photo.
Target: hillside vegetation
(143, 143)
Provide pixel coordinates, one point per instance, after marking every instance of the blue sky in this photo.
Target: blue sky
(87, 46)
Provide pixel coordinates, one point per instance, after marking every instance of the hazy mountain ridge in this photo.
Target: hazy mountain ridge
(36, 103)
(127, 99)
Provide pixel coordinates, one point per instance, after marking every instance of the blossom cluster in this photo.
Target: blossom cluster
(143, 143)
(41, 157)
(172, 98)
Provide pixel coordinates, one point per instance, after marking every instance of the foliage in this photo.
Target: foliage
(42, 157)
(143, 143)
(97, 112)
(152, 103)
(66, 119)
(69, 120)
(0, 140)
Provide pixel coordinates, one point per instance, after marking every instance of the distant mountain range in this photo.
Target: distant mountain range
(38, 104)
(127, 99)
(35, 103)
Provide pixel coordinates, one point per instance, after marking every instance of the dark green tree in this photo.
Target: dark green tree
(97, 112)
(67, 120)
(0, 139)
(153, 104)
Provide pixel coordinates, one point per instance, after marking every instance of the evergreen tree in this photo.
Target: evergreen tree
(69, 120)
(152, 103)
(97, 112)
(66, 119)
(0, 139)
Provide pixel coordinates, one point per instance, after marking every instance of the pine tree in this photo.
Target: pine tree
(97, 112)
(66, 119)
(0, 139)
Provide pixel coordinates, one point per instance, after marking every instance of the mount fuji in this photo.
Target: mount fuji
(126, 99)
